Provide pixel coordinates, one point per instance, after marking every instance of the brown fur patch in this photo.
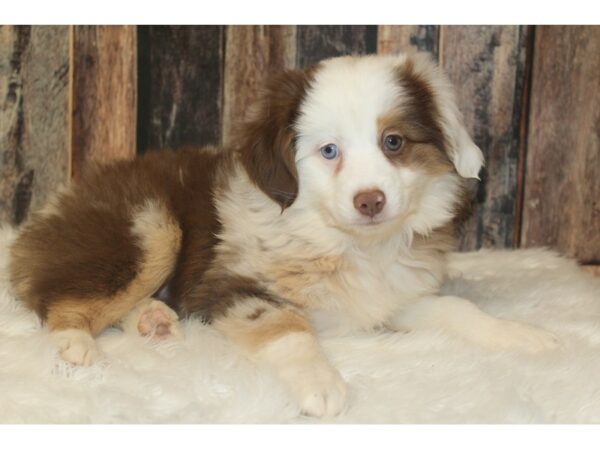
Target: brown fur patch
(252, 334)
(265, 141)
(216, 292)
(420, 115)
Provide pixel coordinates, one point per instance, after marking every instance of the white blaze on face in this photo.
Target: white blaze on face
(341, 108)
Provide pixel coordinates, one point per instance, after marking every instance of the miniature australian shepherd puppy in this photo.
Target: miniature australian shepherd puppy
(333, 208)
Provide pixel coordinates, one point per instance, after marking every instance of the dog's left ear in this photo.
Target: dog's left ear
(465, 155)
(265, 141)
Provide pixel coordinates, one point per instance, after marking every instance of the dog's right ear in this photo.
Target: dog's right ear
(265, 141)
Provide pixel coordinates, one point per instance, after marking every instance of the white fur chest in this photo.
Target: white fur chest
(366, 289)
(343, 285)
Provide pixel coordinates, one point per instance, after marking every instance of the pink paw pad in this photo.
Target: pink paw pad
(158, 323)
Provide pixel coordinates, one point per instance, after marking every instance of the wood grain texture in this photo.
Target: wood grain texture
(34, 67)
(317, 42)
(486, 65)
(562, 194)
(104, 106)
(180, 86)
(252, 53)
(402, 38)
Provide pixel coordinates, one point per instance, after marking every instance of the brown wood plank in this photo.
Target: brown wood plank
(317, 42)
(103, 94)
(401, 38)
(251, 54)
(180, 86)
(487, 66)
(34, 69)
(562, 191)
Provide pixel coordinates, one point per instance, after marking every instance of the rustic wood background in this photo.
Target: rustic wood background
(530, 96)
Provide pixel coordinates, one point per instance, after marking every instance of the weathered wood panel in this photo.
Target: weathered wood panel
(562, 193)
(34, 67)
(401, 38)
(487, 66)
(316, 42)
(252, 53)
(104, 109)
(180, 86)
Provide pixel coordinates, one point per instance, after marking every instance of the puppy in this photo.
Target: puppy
(332, 209)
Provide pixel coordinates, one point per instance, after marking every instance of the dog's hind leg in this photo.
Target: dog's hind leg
(82, 277)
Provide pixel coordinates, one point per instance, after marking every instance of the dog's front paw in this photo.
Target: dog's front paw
(319, 390)
(76, 346)
(511, 335)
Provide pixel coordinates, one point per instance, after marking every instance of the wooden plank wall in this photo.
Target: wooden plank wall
(562, 192)
(34, 132)
(530, 97)
(103, 97)
(180, 89)
(487, 66)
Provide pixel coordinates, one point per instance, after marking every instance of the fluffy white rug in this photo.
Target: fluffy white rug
(397, 378)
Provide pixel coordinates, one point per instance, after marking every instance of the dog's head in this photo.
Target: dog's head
(370, 142)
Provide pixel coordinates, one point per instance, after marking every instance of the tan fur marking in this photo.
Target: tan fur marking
(90, 315)
(160, 237)
(273, 323)
(292, 279)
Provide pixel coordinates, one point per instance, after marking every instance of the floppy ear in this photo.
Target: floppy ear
(265, 141)
(465, 155)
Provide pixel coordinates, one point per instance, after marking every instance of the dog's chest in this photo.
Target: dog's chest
(353, 290)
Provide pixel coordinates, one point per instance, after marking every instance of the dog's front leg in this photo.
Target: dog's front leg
(279, 335)
(462, 318)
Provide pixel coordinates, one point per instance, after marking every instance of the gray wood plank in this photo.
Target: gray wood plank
(34, 138)
(487, 66)
(402, 38)
(317, 42)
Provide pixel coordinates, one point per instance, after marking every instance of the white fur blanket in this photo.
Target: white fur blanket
(392, 378)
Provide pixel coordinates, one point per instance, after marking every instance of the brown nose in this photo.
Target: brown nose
(369, 203)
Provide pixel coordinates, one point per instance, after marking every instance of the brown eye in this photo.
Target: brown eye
(393, 142)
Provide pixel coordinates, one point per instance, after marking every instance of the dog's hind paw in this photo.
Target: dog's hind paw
(153, 318)
(76, 346)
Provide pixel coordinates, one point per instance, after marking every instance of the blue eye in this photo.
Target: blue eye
(330, 151)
